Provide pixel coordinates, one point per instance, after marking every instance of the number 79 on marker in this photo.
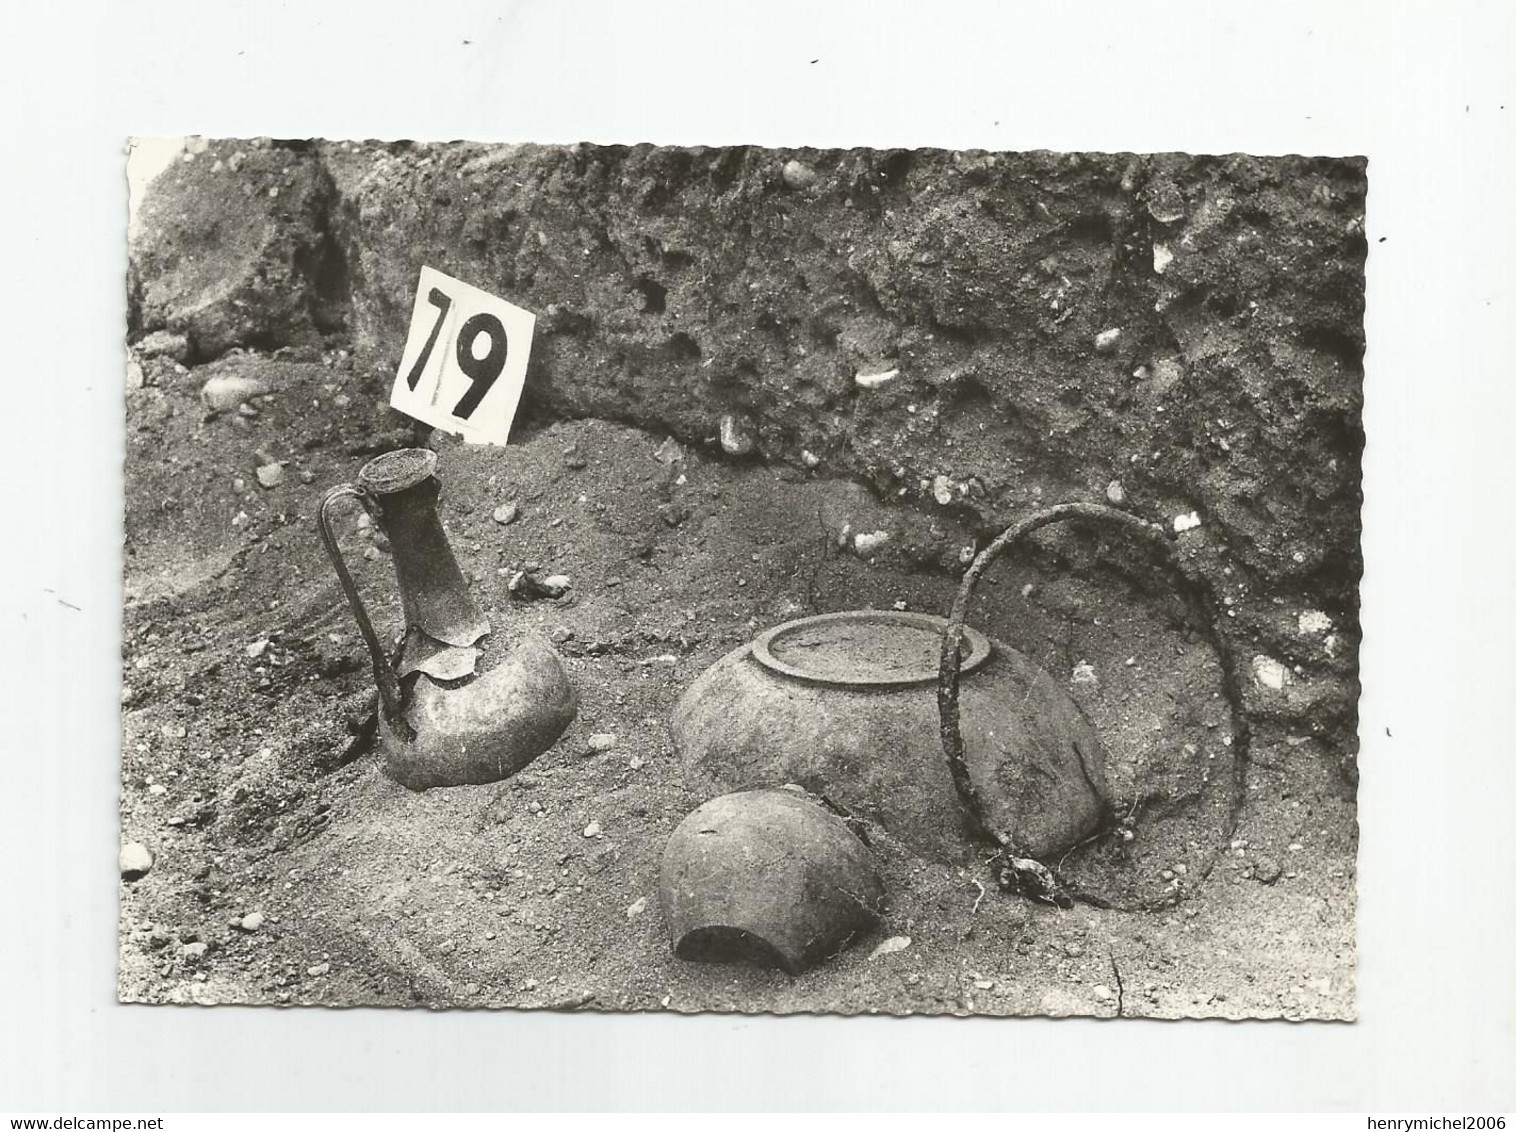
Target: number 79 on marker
(465, 358)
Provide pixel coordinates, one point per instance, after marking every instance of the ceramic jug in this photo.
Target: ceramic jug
(457, 702)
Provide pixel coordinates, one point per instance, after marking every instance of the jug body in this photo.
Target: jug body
(457, 702)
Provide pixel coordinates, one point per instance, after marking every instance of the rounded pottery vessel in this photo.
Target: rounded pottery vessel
(486, 727)
(767, 876)
(458, 703)
(845, 704)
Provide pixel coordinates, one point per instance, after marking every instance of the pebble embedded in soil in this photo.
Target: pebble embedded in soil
(505, 514)
(592, 830)
(194, 952)
(1313, 621)
(865, 543)
(227, 391)
(1106, 340)
(637, 907)
(1186, 522)
(1162, 257)
(316, 970)
(736, 439)
(875, 380)
(890, 946)
(251, 922)
(1084, 673)
(1270, 673)
(798, 175)
(942, 490)
(136, 861)
(271, 475)
(1115, 493)
(1266, 870)
(601, 741)
(1102, 993)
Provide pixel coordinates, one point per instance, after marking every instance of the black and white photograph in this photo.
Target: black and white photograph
(831, 556)
(654, 578)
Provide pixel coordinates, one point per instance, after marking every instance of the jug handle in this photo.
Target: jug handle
(388, 684)
(1027, 875)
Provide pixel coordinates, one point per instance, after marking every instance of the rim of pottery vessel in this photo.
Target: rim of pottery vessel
(398, 470)
(871, 669)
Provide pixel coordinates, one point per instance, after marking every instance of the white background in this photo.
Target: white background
(1423, 89)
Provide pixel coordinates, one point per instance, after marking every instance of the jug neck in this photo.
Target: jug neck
(433, 593)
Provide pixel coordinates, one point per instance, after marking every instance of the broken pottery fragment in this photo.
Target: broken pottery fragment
(767, 876)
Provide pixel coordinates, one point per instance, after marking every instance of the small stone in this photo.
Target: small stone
(1115, 493)
(1084, 673)
(602, 741)
(505, 514)
(865, 544)
(1165, 202)
(317, 970)
(875, 380)
(164, 344)
(135, 861)
(561, 635)
(307, 476)
(1162, 257)
(1102, 993)
(135, 378)
(592, 830)
(984, 984)
(809, 458)
(1106, 340)
(157, 789)
(226, 392)
(251, 922)
(240, 520)
(1270, 673)
(736, 439)
(798, 175)
(637, 762)
(257, 649)
(1186, 522)
(890, 946)
(271, 475)
(942, 490)
(637, 907)
(556, 585)
(669, 452)
(194, 952)
(1313, 621)
(1266, 870)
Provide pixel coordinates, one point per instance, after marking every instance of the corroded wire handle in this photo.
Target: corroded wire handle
(1023, 873)
(388, 684)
